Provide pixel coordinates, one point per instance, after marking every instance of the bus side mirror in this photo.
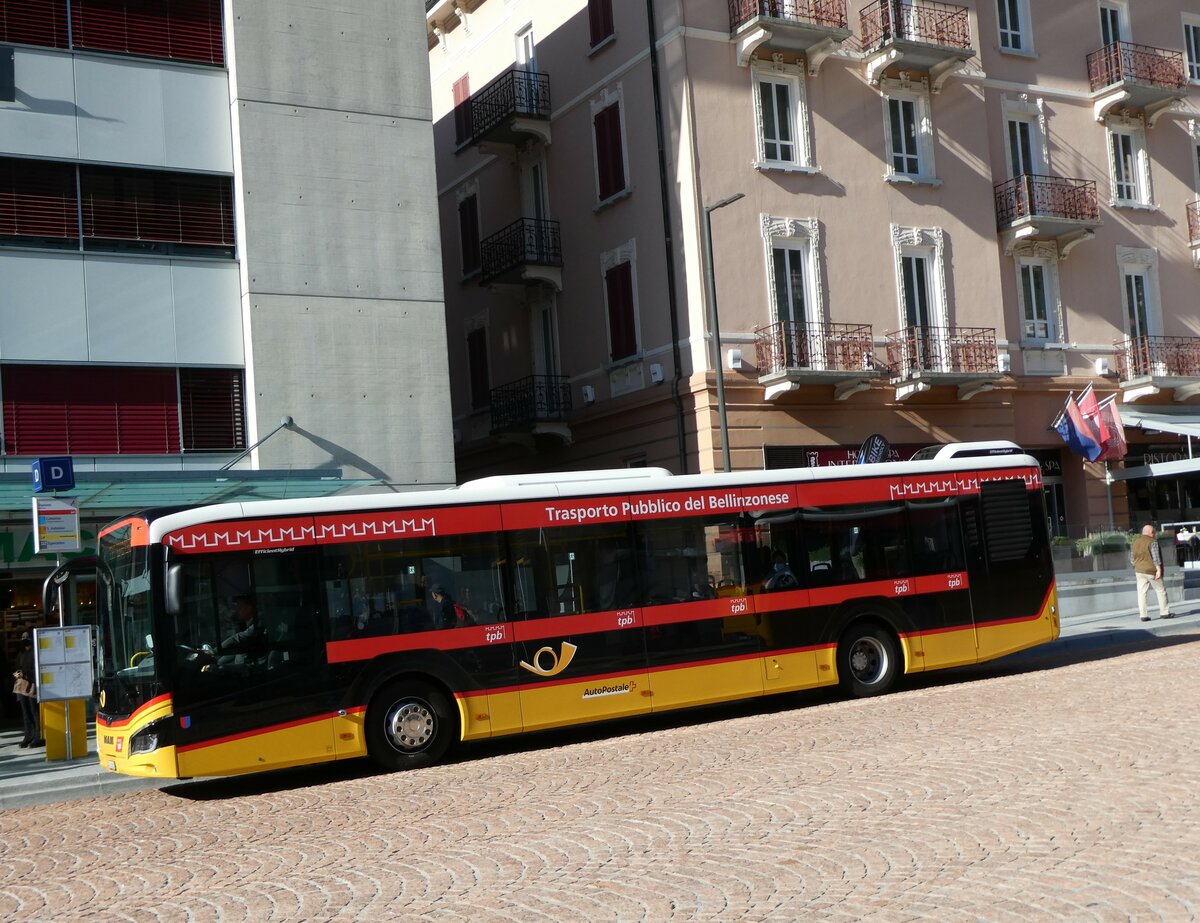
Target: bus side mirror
(174, 589)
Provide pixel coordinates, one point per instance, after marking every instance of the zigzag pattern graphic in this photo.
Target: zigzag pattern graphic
(245, 537)
(934, 487)
(375, 528)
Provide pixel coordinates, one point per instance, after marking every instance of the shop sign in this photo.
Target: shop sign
(831, 455)
(1050, 461)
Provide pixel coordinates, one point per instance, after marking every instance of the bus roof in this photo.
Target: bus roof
(509, 488)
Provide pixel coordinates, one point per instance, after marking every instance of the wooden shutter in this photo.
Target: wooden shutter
(600, 19)
(183, 30)
(34, 22)
(89, 410)
(468, 233)
(477, 360)
(610, 160)
(618, 283)
(462, 110)
(37, 199)
(212, 410)
(146, 205)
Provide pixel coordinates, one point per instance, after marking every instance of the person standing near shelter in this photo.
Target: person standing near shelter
(25, 690)
(1146, 558)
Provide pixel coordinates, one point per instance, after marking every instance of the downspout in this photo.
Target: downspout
(672, 300)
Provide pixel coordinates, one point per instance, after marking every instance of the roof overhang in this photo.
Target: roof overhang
(1182, 421)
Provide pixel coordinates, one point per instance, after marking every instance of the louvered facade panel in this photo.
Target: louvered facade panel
(37, 199)
(212, 408)
(34, 22)
(182, 30)
(145, 205)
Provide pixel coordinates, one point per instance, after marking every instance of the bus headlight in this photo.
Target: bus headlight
(143, 742)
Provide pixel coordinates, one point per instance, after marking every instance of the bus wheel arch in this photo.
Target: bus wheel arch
(411, 722)
(870, 656)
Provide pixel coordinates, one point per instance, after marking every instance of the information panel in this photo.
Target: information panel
(63, 662)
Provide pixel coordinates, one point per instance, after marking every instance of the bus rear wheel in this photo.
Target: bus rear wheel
(410, 724)
(868, 660)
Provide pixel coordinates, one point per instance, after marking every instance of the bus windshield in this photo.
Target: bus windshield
(127, 673)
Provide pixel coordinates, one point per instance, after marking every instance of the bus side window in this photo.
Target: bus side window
(936, 545)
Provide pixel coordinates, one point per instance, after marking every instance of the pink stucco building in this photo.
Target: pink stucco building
(930, 221)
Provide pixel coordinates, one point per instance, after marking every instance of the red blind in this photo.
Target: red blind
(468, 233)
(610, 160)
(600, 19)
(212, 409)
(89, 410)
(184, 30)
(37, 199)
(144, 205)
(34, 22)
(618, 283)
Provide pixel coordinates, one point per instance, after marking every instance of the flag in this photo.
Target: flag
(1090, 411)
(1076, 432)
(1114, 445)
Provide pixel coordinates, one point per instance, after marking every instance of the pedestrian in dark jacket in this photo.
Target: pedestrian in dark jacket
(27, 701)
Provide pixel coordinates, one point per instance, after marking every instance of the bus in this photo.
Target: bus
(563, 598)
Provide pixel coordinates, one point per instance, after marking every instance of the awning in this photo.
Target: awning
(1184, 421)
(108, 493)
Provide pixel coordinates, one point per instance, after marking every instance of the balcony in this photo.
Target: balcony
(791, 354)
(1148, 364)
(535, 405)
(920, 357)
(512, 109)
(1128, 76)
(916, 35)
(815, 28)
(1066, 211)
(528, 250)
(1193, 221)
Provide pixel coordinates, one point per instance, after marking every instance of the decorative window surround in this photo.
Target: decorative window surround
(607, 98)
(1143, 261)
(624, 374)
(1135, 163)
(802, 234)
(1042, 355)
(916, 92)
(1023, 108)
(794, 154)
(929, 243)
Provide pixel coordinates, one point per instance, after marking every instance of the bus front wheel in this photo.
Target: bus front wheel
(409, 724)
(868, 660)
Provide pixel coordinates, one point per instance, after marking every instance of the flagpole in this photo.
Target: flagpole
(1112, 525)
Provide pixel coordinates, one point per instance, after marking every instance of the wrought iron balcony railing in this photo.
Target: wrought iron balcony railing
(944, 24)
(949, 350)
(525, 242)
(830, 14)
(519, 405)
(1123, 62)
(517, 93)
(1193, 219)
(1168, 357)
(789, 345)
(1030, 196)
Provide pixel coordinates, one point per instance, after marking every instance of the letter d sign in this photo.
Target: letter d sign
(55, 473)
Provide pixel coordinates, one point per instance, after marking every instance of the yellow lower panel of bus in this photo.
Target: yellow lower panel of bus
(713, 682)
(789, 672)
(349, 738)
(484, 716)
(159, 764)
(562, 704)
(297, 745)
(948, 648)
(1007, 637)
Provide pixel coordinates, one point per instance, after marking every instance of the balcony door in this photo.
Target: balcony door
(543, 334)
(526, 50)
(791, 306)
(921, 315)
(535, 207)
(1112, 28)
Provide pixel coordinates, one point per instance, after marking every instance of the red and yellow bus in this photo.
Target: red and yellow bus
(569, 598)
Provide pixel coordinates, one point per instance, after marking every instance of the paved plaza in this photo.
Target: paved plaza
(1035, 791)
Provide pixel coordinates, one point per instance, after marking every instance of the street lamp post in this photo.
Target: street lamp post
(714, 322)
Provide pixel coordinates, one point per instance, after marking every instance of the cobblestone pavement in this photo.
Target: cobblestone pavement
(1067, 793)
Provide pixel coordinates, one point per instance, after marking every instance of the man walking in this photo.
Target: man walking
(1146, 558)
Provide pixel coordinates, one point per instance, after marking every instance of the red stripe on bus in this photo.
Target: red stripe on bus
(124, 722)
(200, 745)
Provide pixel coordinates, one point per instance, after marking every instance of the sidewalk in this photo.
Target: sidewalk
(27, 778)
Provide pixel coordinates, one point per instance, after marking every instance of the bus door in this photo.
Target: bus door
(704, 641)
(250, 679)
(582, 653)
(941, 607)
(1008, 561)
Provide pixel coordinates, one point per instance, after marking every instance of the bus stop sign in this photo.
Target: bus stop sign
(56, 473)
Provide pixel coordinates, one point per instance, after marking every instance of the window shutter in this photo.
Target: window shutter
(37, 199)
(463, 126)
(468, 233)
(477, 360)
(212, 410)
(183, 30)
(146, 205)
(90, 410)
(610, 161)
(34, 22)
(600, 19)
(619, 287)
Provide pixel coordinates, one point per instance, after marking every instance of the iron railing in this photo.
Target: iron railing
(525, 242)
(954, 350)
(520, 404)
(830, 14)
(515, 93)
(1162, 356)
(787, 345)
(1028, 196)
(1125, 61)
(944, 24)
(1193, 219)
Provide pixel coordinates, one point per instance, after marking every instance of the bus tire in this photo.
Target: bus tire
(409, 724)
(868, 660)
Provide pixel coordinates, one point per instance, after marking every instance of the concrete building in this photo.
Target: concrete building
(218, 249)
(929, 221)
